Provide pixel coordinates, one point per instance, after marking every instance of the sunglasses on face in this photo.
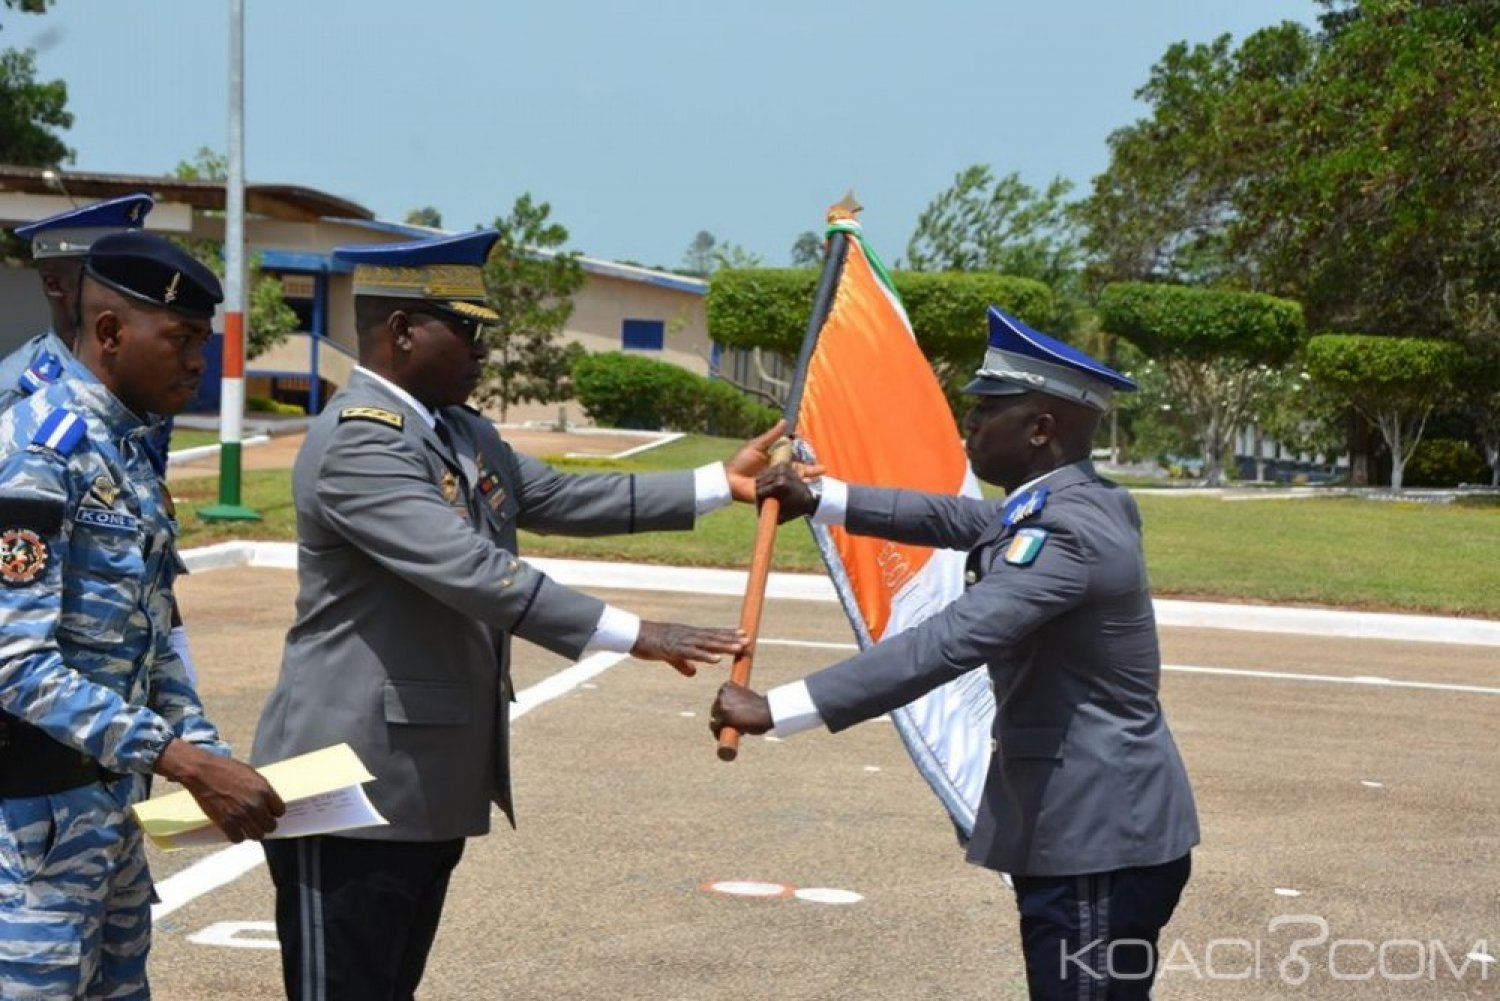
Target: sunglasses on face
(468, 328)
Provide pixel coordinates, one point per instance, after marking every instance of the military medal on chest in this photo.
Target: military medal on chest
(490, 488)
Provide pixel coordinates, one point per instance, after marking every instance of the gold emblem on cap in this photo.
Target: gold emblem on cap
(135, 213)
(450, 486)
(171, 293)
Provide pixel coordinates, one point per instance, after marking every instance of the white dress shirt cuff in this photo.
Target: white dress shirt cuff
(616, 632)
(835, 502)
(710, 488)
(792, 709)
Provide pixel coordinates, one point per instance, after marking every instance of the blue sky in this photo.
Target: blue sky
(642, 123)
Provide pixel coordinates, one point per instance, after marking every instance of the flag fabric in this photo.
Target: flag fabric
(866, 404)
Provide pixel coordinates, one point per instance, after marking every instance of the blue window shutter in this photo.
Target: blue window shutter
(643, 335)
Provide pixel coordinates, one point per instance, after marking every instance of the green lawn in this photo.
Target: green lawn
(1325, 551)
(192, 438)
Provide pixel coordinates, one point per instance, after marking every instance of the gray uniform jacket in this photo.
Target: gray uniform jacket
(409, 590)
(1086, 777)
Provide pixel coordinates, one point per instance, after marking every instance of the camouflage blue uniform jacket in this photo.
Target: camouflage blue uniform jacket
(42, 361)
(87, 562)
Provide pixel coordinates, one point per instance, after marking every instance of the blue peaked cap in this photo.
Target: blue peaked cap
(71, 233)
(1019, 359)
(462, 248)
(447, 272)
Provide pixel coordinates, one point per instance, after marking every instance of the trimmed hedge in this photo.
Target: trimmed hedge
(1368, 367)
(1200, 324)
(630, 391)
(768, 308)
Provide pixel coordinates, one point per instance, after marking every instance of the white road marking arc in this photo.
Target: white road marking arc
(228, 933)
(828, 895)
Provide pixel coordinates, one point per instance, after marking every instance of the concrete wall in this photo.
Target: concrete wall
(23, 308)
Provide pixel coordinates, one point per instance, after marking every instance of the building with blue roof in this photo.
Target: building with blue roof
(293, 230)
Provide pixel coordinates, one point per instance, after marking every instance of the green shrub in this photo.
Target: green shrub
(630, 391)
(1445, 462)
(266, 405)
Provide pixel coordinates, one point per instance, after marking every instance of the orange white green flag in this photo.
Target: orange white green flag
(866, 404)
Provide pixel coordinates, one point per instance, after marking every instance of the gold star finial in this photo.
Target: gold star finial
(847, 207)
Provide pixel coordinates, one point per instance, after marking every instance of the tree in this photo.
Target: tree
(699, 258)
(732, 255)
(31, 111)
(530, 282)
(1213, 346)
(1394, 381)
(807, 250)
(425, 216)
(985, 223)
(1352, 169)
(268, 318)
(1301, 416)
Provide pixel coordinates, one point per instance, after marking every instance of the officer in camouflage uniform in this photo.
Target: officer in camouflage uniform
(93, 698)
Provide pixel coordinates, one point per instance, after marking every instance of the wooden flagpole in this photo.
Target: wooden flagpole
(755, 595)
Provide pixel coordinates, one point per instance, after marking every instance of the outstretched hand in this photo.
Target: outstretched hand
(753, 457)
(686, 647)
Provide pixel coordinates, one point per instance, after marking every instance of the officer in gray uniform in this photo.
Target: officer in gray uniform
(1087, 803)
(410, 589)
(93, 699)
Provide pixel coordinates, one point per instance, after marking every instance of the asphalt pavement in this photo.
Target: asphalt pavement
(1351, 831)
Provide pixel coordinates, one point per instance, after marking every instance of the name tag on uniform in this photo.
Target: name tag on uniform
(1025, 547)
(110, 521)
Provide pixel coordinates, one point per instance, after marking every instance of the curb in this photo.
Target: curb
(204, 451)
(594, 574)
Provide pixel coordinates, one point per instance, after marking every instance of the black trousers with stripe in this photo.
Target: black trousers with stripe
(356, 918)
(1094, 938)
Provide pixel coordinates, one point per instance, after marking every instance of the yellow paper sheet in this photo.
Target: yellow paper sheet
(171, 821)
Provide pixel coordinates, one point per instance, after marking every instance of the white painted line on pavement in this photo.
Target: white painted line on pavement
(1233, 672)
(665, 439)
(563, 682)
(1334, 679)
(204, 876)
(594, 574)
(229, 864)
(204, 451)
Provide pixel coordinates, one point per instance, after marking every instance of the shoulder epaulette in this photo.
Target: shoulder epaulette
(42, 372)
(61, 432)
(374, 414)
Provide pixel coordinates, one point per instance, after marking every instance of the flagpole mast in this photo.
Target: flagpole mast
(781, 452)
(232, 391)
